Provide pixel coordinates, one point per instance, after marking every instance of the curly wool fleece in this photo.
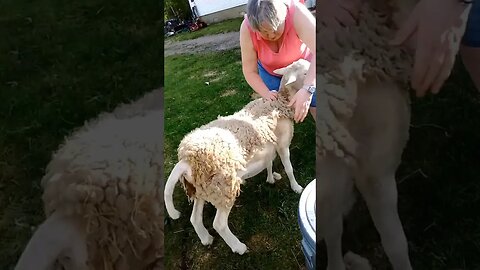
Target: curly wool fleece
(107, 174)
(217, 150)
(356, 53)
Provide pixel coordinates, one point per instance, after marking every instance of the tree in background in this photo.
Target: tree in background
(179, 9)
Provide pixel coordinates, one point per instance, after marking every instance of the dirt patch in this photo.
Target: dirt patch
(229, 92)
(260, 242)
(220, 42)
(214, 75)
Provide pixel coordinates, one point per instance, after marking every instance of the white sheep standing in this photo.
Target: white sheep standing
(362, 127)
(102, 197)
(215, 158)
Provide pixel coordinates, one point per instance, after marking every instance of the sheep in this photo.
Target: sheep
(363, 121)
(102, 197)
(216, 158)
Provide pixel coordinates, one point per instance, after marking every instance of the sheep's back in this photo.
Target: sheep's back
(108, 173)
(217, 150)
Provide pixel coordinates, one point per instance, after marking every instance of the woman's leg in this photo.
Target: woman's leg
(313, 107)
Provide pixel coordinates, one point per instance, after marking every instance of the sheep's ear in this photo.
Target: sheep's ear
(280, 71)
(291, 79)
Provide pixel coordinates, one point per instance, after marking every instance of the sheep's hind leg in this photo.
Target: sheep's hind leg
(57, 236)
(272, 176)
(334, 198)
(220, 224)
(284, 153)
(381, 197)
(197, 221)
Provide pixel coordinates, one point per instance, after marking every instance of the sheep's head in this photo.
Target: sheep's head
(293, 77)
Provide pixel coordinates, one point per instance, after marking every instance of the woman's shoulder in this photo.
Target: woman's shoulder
(294, 7)
(301, 13)
(245, 33)
(244, 26)
(291, 7)
(292, 4)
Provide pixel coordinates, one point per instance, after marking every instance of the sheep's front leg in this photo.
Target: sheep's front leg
(220, 224)
(381, 197)
(197, 221)
(284, 153)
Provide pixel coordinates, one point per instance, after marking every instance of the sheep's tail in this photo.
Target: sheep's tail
(55, 236)
(181, 167)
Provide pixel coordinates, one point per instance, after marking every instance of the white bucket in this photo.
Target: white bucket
(306, 220)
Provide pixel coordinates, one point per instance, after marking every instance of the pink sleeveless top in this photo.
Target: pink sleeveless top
(291, 49)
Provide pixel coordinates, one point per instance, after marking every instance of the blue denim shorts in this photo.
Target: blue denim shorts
(273, 82)
(471, 37)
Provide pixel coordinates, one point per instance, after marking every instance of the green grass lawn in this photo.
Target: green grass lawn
(62, 63)
(232, 25)
(441, 210)
(264, 216)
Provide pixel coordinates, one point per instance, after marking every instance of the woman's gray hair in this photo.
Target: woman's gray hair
(269, 12)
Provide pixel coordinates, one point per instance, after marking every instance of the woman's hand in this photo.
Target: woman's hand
(435, 27)
(301, 100)
(269, 95)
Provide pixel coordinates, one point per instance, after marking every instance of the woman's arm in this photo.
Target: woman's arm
(436, 27)
(304, 24)
(249, 65)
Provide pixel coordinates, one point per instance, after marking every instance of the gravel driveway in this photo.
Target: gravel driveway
(219, 42)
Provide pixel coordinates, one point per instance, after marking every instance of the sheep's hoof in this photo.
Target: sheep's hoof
(298, 189)
(270, 180)
(356, 262)
(208, 241)
(240, 249)
(175, 214)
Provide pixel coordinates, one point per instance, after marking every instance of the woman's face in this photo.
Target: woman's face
(268, 33)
